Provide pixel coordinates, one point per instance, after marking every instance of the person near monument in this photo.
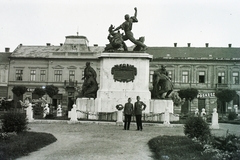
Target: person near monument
(127, 27)
(139, 106)
(128, 111)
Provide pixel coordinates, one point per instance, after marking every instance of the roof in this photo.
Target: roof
(48, 51)
(157, 52)
(34, 51)
(195, 52)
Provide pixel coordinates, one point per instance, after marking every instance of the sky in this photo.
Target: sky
(161, 22)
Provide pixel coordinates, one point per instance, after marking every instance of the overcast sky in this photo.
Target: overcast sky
(162, 22)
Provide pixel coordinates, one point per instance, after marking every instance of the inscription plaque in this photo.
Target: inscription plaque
(124, 72)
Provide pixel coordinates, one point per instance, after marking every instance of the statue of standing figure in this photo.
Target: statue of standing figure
(162, 84)
(119, 38)
(90, 86)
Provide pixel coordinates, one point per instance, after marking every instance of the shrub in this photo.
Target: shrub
(23, 144)
(196, 127)
(14, 122)
(4, 136)
(229, 143)
(232, 116)
(49, 116)
(37, 109)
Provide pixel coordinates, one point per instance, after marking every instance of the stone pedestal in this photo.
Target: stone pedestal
(215, 124)
(86, 108)
(203, 114)
(74, 114)
(113, 91)
(160, 105)
(166, 117)
(59, 111)
(119, 118)
(29, 112)
(46, 111)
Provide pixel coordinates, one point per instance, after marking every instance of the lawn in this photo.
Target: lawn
(13, 146)
(177, 148)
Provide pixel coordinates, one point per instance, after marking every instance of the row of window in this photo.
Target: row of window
(185, 76)
(202, 77)
(58, 74)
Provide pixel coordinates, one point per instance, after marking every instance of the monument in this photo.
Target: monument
(124, 74)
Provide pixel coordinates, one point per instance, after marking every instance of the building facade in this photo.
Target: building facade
(207, 69)
(61, 66)
(4, 68)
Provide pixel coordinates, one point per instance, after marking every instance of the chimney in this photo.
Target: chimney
(229, 45)
(61, 44)
(7, 49)
(48, 44)
(189, 44)
(206, 44)
(95, 45)
(175, 44)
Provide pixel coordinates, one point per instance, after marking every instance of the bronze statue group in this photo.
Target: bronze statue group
(117, 39)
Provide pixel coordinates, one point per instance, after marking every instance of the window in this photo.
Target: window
(221, 77)
(42, 75)
(151, 76)
(185, 76)
(170, 74)
(58, 75)
(71, 75)
(3, 75)
(235, 77)
(33, 75)
(83, 74)
(19, 74)
(201, 77)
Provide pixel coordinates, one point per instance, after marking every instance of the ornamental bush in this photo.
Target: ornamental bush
(196, 127)
(37, 109)
(14, 122)
(230, 143)
(232, 116)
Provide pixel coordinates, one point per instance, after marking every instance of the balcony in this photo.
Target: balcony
(68, 84)
(221, 86)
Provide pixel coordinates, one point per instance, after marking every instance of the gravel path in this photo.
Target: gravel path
(97, 141)
(84, 141)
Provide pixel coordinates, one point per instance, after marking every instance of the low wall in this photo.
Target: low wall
(88, 109)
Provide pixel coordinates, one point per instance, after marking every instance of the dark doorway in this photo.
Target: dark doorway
(236, 100)
(184, 107)
(16, 101)
(201, 104)
(54, 103)
(221, 106)
(70, 103)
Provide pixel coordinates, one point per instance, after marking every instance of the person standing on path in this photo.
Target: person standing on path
(138, 112)
(128, 111)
